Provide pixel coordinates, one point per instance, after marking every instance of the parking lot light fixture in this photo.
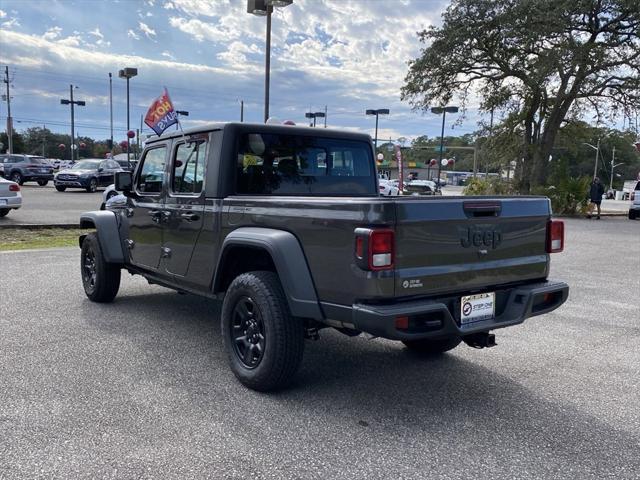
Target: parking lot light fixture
(128, 73)
(72, 102)
(442, 111)
(264, 8)
(314, 115)
(379, 111)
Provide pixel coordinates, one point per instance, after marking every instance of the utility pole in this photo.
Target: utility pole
(44, 140)
(325, 116)
(111, 111)
(9, 119)
(241, 111)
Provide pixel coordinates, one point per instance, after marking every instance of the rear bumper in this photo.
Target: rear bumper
(37, 176)
(10, 202)
(439, 317)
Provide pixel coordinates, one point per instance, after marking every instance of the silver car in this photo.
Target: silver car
(10, 196)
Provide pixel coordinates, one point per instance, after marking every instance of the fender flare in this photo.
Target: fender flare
(106, 225)
(290, 263)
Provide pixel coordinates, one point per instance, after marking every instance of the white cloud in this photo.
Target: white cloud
(96, 33)
(168, 55)
(52, 33)
(147, 30)
(132, 34)
(3, 14)
(11, 23)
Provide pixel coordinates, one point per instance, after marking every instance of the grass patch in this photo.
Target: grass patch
(23, 239)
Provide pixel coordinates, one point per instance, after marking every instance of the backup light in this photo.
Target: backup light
(555, 236)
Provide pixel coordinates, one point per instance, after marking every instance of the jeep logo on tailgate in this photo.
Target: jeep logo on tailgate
(478, 237)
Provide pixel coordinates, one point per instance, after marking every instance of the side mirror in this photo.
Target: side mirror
(100, 169)
(124, 182)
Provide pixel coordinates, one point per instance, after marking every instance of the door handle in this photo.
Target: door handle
(190, 217)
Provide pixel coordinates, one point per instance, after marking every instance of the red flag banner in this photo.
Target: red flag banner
(161, 114)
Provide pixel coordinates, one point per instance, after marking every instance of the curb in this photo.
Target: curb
(40, 226)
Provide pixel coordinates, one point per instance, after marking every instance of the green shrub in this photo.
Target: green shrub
(481, 186)
(569, 197)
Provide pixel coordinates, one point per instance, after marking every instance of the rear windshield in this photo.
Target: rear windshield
(300, 165)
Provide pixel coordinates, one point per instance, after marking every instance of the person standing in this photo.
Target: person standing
(595, 196)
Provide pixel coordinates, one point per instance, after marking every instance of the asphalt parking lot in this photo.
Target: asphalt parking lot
(140, 388)
(46, 206)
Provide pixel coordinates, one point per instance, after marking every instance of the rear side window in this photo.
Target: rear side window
(300, 165)
(188, 167)
(152, 172)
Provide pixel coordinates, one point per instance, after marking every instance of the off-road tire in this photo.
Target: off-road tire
(282, 334)
(60, 188)
(17, 177)
(4, 211)
(93, 186)
(433, 347)
(101, 280)
(42, 183)
(632, 215)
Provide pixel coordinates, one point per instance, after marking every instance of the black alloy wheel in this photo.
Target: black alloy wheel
(101, 280)
(247, 332)
(89, 273)
(263, 341)
(93, 186)
(17, 177)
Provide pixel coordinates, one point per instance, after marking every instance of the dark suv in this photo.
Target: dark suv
(88, 174)
(21, 168)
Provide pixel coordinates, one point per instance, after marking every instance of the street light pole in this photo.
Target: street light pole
(265, 8)
(613, 165)
(128, 73)
(314, 115)
(267, 65)
(379, 111)
(111, 112)
(443, 111)
(72, 102)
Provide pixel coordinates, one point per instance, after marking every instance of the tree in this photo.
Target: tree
(542, 61)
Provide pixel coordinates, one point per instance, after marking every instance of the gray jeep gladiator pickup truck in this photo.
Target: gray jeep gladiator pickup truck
(285, 224)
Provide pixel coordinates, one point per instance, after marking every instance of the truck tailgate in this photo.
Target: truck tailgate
(451, 244)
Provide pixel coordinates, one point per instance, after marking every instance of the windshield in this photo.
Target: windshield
(86, 165)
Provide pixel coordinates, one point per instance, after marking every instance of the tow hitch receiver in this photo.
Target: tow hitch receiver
(480, 340)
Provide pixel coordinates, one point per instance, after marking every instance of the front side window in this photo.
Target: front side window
(188, 167)
(152, 172)
(300, 165)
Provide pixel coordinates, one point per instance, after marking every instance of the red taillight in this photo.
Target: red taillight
(374, 248)
(14, 187)
(555, 236)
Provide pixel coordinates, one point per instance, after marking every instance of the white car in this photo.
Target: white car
(634, 208)
(10, 196)
(111, 195)
(387, 188)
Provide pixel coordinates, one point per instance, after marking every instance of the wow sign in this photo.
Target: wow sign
(161, 114)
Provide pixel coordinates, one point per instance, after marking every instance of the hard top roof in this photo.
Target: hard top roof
(264, 128)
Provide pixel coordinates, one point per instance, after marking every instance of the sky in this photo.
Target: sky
(347, 55)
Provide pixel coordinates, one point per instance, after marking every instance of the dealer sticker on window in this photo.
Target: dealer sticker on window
(474, 308)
